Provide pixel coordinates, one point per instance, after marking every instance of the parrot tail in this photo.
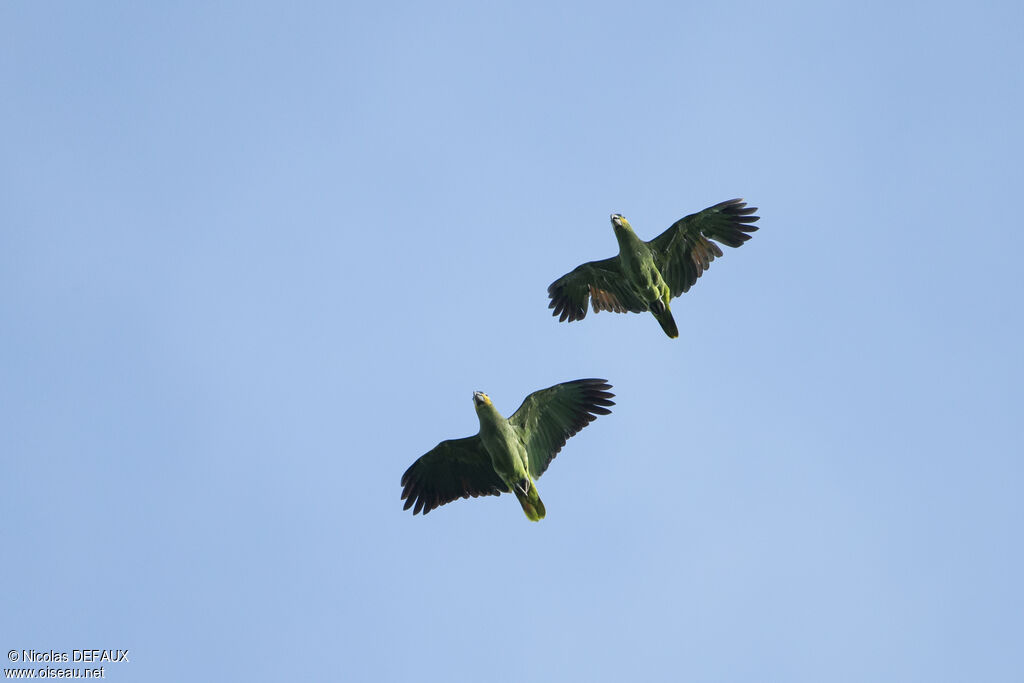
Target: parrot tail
(532, 505)
(663, 314)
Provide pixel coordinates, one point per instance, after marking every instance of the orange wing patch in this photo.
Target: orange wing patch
(604, 300)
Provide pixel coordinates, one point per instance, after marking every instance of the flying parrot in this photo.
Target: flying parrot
(506, 455)
(645, 276)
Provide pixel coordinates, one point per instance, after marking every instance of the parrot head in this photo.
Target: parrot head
(619, 221)
(481, 399)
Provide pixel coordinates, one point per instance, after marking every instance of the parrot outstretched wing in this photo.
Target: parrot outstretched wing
(601, 281)
(547, 418)
(457, 468)
(684, 251)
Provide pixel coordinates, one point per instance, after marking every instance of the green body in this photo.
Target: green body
(507, 448)
(643, 276)
(507, 451)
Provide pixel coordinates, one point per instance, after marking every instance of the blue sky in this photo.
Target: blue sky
(254, 259)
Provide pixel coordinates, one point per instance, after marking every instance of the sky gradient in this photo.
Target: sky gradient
(254, 260)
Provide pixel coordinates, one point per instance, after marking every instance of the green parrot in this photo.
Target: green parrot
(645, 276)
(506, 455)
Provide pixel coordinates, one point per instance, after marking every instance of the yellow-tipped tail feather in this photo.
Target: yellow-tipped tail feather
(532, 505)
(663, 314)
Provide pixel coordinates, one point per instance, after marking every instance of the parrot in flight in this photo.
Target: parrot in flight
(645, 276)
(507, 455)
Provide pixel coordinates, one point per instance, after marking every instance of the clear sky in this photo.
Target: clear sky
(255, 258)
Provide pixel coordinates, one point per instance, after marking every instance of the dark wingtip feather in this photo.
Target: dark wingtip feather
(597, 396)
(740, 219)
(563, 305)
